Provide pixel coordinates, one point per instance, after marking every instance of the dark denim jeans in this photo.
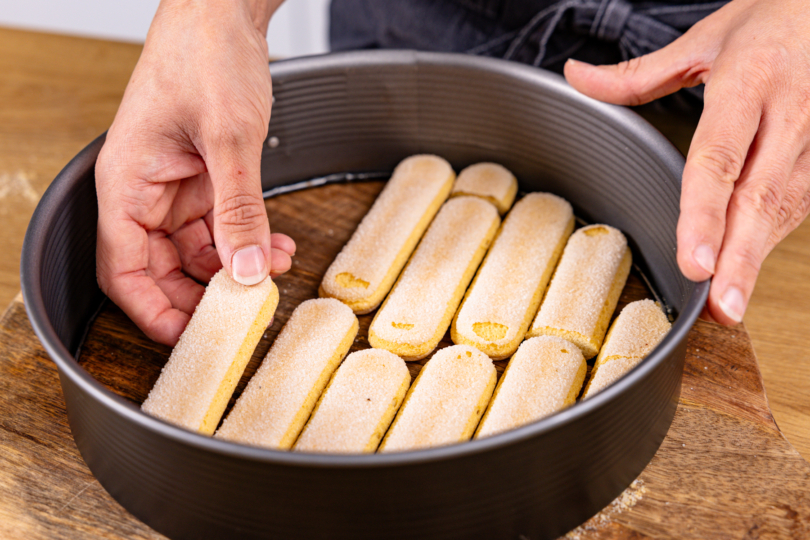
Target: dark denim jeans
(544, 33)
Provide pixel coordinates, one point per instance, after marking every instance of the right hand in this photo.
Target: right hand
(178, 178)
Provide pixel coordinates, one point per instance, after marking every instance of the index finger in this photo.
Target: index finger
(716, 157)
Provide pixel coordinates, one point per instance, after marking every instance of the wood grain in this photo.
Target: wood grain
(777, 318)
(321, 220)
(60, 92)
(57, 94)
(723, 471)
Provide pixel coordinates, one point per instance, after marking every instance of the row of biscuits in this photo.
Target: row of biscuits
(510, 284)
(437, 275)
(444, 405)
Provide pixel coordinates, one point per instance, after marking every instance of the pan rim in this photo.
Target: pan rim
(69, 367)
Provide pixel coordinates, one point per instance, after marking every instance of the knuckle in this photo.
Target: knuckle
(240, 212)
(770, 61)
(762, 200)
(223, 135)
(784, 217)
(629, 68)
(799, 213)
(721, 162)
(628, 74)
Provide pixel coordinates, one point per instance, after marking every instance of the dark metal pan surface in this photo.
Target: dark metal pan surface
(361, 113)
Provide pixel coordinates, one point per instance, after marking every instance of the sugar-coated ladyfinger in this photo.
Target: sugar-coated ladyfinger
(445, 402)
(585, 288)
(636, 331)
(367, 266)
(202, 372)
(418, 311)
(499, 306)
(358, 404)
(279, 398)
(543, 377)
(490, 181)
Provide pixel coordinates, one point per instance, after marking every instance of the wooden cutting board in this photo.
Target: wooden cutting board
(723, 471)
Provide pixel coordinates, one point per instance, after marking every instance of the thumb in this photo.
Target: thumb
(241, 229)
(638, 80)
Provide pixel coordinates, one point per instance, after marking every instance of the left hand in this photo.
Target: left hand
(746, 183)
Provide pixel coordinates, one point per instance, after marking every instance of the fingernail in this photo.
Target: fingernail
(733, 304)
(249, 266)
(704, 257)
(572, 62)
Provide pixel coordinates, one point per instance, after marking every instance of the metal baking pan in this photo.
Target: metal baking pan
(363, 112)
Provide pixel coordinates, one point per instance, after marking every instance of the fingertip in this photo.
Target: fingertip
(706, 315)
(579, 74)
(167, 327)
(283, 242)
(732, 303)
(280, 262)
(698, 263)
(249, 265)
(727, 304)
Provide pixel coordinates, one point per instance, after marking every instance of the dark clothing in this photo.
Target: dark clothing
(543, 33)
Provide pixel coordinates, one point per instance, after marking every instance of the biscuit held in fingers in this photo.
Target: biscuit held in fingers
(585, 288)
(490, 181)
(506, 292)
(358, 405)
(279, 398)
(544, 376)
(202, 372)
(418, 311)
(367, 266)
(445, 402)
(636, 331)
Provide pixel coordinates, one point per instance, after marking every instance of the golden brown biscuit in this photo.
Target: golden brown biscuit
(504, 297)
(490, 181)
(279, 398)
(445, 402)
(367, 266)
(635, 332)
(585, 288)
(544, 376)
(419, 309)
(358, 405)
(196, 383)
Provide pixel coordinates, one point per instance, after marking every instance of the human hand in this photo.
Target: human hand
(178, 178)
(746, 183)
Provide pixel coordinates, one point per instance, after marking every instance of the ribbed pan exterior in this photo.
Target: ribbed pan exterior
(364, 112)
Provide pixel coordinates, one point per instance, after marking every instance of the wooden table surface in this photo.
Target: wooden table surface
(58, 93)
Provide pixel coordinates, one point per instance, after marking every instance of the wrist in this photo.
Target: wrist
(259, 11)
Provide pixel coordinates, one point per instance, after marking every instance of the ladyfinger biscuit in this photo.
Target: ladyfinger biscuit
(543, 377)
(635, 332)
(506, 292)
(279, 398)
(418, 311)
(445, 402)
(490, 181)
(358, 405)
(585, 288)
(196, 383)
(364, 270)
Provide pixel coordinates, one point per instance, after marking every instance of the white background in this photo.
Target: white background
(299, 27)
